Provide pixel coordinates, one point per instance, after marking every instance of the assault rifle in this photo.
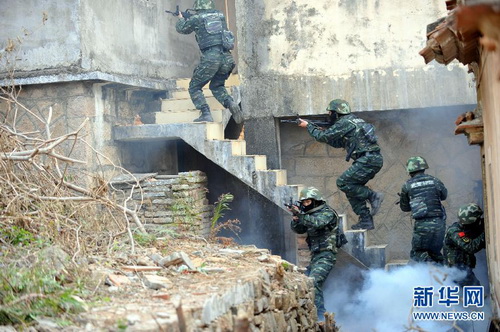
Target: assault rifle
(185, 14)
(317, 123)
(341, 239)
(291, 203)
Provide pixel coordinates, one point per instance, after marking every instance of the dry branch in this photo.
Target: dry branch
(36, 181)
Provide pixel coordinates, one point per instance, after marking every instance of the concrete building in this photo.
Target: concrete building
(111, 60)
(474, 31)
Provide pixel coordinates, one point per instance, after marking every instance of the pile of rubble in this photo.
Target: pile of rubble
(193, 285)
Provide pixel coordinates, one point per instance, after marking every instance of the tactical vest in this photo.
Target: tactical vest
(210, 31)
(454, 255)
(324, 238)
(425, 201)
(358, 140)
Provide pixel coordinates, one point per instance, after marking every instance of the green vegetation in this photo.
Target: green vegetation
(17, 236)
(221, 206)
(35, 291)
(144, 239)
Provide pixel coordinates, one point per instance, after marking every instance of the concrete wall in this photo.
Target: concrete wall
(262, 222)
(489, 86)
(296, 56)
(131, 42)
(426, 132)
(104, 105)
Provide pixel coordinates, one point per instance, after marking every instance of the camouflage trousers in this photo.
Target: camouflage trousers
(319, 268)
(352, 181)
(427, 241)
(214, 67)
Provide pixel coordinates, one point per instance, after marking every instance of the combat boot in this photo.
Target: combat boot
(205, 116)
(375, 200)
(235, 110)
(365, 222)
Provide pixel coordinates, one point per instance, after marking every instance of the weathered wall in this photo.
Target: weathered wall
(132, 42)
(261, 221)
(296, 56)
(176, 202)
(426, 132)
(104, 105)
(488, 90)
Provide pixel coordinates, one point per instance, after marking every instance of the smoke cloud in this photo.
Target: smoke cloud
(380, 300)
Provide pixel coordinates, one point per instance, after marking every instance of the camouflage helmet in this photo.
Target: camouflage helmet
(340, 106)
(310, 193)
(469, 213)
(416, 163)
(203, 4)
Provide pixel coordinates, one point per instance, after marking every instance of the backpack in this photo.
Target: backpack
(214, 24)
(227, 40)
(367, 129)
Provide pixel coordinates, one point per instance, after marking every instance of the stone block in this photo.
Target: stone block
(118, 280)
(166, 220)
(177, 258)
(260, 305)
(156, 282)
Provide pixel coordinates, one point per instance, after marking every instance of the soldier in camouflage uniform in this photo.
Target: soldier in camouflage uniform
(347, 131)
(422, 195)
(216, 63)
(320, 222)
(462, 240)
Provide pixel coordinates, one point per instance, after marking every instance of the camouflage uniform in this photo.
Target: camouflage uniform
(462, 240)
(320, 223)
(345, 133)
(216, 63)
(422, 195)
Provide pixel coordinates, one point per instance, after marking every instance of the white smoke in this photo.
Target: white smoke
(379, 300)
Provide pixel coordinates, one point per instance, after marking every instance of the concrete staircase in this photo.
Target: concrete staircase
(371, 256)
(180, 109)
(208, 139)
(175, 121)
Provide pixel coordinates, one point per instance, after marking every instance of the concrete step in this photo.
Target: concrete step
(233, 79)
(214, 131)
(395, 264)
(195, 132)
(223, 151)
(372, 256)
(185, 116)
(176, 105)
(184, 94)
(277, 176)
(238, 147)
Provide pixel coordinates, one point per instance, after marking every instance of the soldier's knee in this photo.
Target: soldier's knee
(215, 84)
(194, 88)
(342, 184)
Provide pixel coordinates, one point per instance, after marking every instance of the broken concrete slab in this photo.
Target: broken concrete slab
(118, 280)
(177, 258)
(137, 268)
(156, 282)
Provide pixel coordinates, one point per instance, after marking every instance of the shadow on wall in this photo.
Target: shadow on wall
(261, 223)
